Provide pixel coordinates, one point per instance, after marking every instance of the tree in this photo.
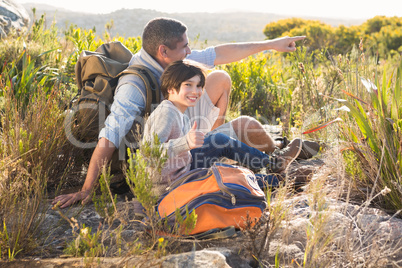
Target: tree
(277, 28)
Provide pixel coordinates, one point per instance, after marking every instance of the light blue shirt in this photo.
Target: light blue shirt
(130, 95)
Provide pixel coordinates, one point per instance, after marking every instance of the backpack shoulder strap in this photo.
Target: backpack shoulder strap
(151, 84)
(216, 233)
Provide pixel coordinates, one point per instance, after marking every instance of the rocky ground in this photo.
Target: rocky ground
(336, 229)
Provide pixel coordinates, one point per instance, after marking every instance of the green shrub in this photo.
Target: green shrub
(86, 243)
(143, 174)
(105, 203)
(259, 87)
(382, 34)
(144, 169)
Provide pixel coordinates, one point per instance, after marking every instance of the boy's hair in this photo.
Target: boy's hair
(179, 71)
(162, 31)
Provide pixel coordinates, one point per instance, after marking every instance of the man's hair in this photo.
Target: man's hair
(179, 71)
(162, 31)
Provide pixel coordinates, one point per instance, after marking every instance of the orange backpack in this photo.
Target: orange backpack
(221, 196)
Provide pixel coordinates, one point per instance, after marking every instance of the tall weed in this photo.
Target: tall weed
(27, 81)
(376, 134)
(372, 114)
(144, 171)
(144, 179)
(34, 154)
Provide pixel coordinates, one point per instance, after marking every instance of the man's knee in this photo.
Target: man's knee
(245, 122)
(219, 79)
(250, 131)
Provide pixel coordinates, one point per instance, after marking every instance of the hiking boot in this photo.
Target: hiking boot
(309, 149)
(277, 164)
(284, 142)
(282, 158)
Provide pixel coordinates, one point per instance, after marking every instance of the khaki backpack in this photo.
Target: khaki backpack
(97, 74)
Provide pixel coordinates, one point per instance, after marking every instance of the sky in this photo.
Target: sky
(351, 9)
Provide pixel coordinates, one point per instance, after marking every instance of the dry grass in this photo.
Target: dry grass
(35, 155)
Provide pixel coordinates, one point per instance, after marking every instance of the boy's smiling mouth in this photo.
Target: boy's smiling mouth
(192, 98)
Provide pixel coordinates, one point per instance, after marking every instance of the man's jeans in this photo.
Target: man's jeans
(220, 145)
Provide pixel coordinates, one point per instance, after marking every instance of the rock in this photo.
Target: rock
(195, 259)
(12, 16)
(232, 259)
(201, 259)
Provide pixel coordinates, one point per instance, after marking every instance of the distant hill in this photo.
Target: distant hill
(213, 27)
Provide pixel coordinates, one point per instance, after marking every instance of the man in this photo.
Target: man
(164, 41)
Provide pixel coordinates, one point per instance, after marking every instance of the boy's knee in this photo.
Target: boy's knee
(219, 139)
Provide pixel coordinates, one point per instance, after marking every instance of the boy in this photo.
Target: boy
(187, 148)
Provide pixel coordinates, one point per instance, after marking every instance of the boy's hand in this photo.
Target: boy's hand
(195, 138)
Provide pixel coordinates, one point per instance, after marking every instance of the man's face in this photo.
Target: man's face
(180, 52)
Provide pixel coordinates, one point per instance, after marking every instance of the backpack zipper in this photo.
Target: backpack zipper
(222, 186)
(184, 179)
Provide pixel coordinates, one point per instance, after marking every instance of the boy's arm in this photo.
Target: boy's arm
(165, 122)
(177, 146)
(172, 146)
(227, 53)
(193, 139)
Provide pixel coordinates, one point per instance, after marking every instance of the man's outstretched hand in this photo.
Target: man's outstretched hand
(286, 44)
(68, 199)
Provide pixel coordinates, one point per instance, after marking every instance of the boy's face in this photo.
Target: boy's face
(190, 92)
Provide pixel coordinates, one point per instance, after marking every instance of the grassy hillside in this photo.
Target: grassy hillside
(213, 27)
